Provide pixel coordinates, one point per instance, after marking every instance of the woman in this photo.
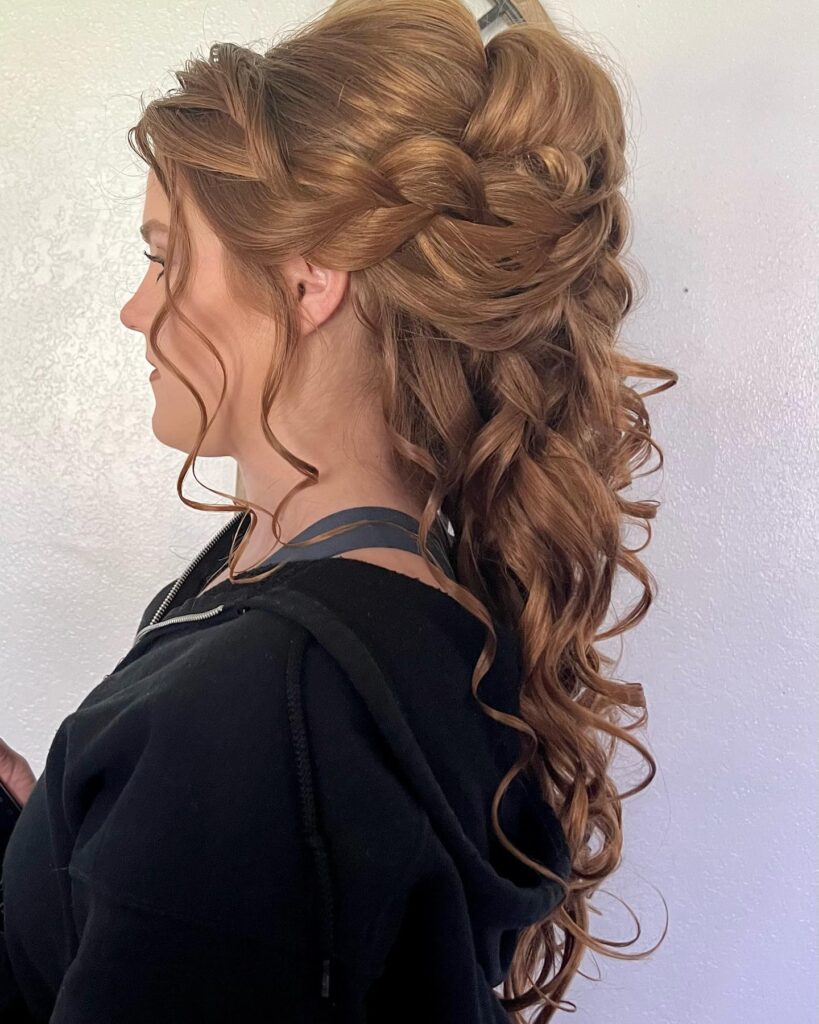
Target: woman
(384, 277)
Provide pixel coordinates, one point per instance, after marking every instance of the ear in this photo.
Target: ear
(320, 292)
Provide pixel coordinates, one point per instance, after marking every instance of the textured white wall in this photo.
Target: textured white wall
(725, 202)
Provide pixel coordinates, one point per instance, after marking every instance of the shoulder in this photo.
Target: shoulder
(240, 663)
(220, 689)
(218, 764)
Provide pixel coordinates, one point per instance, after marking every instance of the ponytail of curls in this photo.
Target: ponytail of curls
(474, 193)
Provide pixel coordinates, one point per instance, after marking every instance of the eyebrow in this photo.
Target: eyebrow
(152, 225)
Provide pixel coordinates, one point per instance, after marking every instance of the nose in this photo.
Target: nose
(125, 317)
(139, 311)
(137, 315)
(128, 318)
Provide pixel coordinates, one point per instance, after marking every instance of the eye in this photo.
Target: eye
(155, 259)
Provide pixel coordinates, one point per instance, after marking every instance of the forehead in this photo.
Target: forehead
(156, 203)
(157, 208)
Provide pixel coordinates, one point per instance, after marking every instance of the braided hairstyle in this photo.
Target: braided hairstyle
(474, 192)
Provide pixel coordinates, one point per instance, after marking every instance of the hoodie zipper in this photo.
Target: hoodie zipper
(212, 613)
(192, 617)
(169, 597)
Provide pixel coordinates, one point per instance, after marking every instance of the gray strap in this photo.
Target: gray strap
(390, 534)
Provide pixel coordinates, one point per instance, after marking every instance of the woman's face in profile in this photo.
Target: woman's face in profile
(230, 328)
(312, 407)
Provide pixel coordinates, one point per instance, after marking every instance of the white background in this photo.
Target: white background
(724, 155)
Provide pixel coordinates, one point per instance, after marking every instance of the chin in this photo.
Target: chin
(182, 436)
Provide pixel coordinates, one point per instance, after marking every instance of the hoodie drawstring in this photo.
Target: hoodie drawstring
(312, 831)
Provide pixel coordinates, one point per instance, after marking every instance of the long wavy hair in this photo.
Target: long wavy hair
(474, 191)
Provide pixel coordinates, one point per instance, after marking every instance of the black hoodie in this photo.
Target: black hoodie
(277, 807)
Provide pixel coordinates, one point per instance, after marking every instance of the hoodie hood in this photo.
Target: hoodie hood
(503, 894)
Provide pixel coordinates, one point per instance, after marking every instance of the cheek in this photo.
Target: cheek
(198, 363)
(213, 310)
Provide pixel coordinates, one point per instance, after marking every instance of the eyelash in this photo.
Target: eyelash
(155, 259)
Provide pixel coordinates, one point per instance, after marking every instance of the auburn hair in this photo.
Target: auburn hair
(474, 192)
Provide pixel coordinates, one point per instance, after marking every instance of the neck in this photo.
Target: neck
(312, 504)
